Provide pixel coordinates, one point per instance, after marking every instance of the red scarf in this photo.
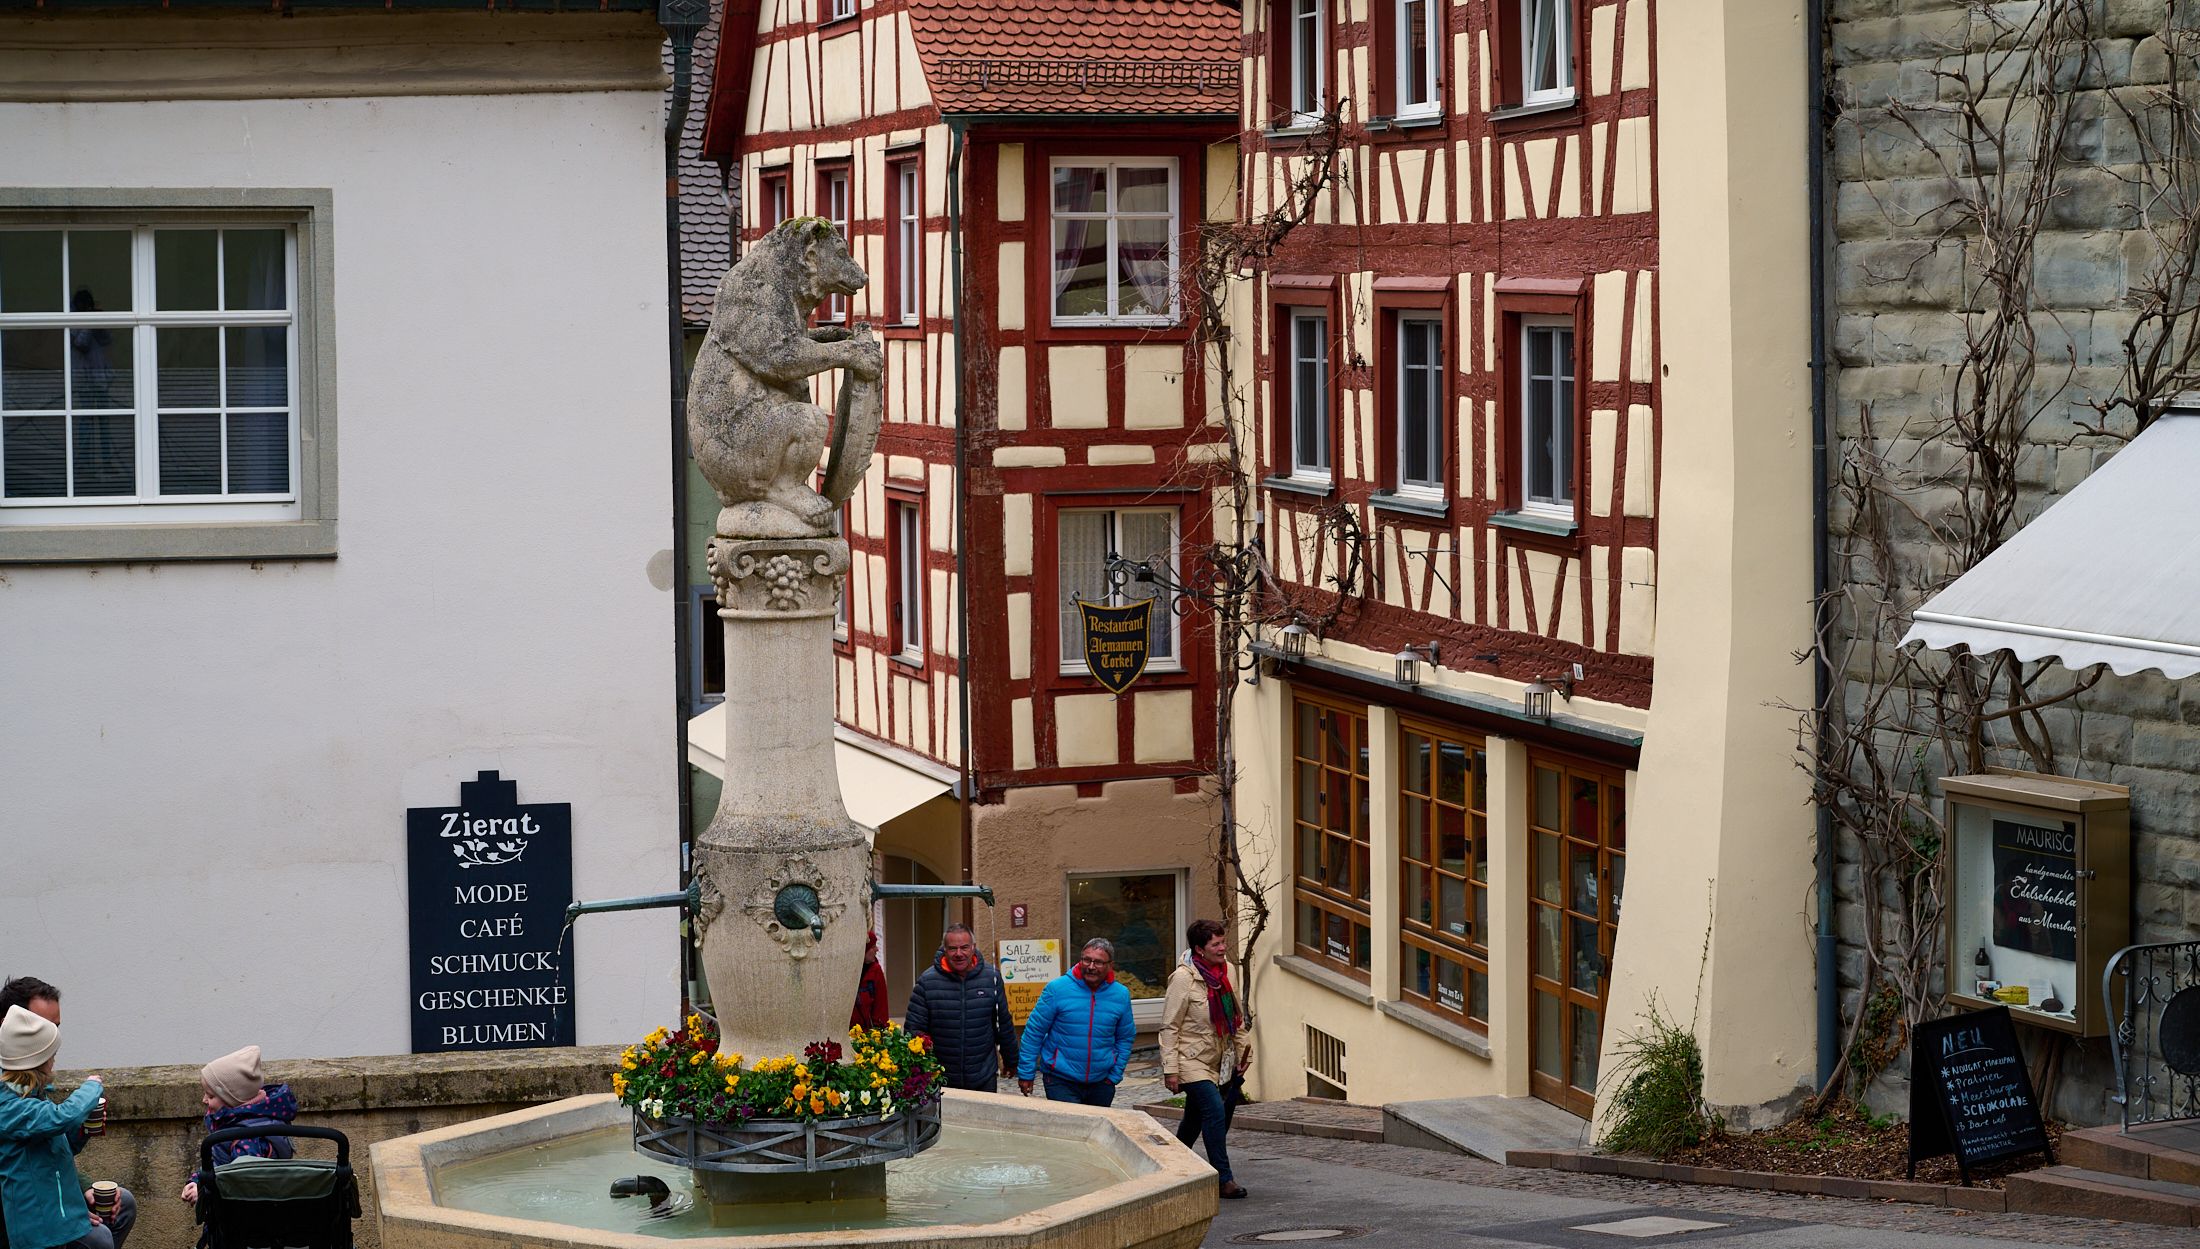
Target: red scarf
(1222, 1002)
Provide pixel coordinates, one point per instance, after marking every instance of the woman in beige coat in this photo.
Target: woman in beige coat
(1204, 1048)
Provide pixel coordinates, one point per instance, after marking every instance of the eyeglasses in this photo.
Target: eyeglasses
(1090, 961)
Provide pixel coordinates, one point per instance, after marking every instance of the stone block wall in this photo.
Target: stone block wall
(155, 1119)
(1905, 284)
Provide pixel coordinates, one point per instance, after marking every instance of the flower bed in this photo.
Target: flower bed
(684, 1075)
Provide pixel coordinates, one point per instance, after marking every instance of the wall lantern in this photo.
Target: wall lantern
(1293, 639)
(1409, 662)
(1537, 700)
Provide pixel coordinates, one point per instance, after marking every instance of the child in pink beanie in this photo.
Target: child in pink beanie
(231, 1089)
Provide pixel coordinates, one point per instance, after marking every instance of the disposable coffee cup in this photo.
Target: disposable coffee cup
(95, 1123)
(106, 1195)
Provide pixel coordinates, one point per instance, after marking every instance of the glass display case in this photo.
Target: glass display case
(2039, 894)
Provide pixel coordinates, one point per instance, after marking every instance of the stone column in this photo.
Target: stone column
(781, 840)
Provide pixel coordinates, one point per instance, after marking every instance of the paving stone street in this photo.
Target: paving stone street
(1315, 1190)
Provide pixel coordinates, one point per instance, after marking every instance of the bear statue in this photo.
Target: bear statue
(751, 426)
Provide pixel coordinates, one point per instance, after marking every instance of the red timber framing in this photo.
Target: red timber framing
(1055, 417)
(1125, 429)
(1481, 216)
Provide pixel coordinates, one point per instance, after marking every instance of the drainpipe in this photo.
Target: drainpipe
(956, 135)
(1821, 572)
(682, 20)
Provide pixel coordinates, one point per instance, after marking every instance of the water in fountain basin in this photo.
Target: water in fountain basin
(971, 1176)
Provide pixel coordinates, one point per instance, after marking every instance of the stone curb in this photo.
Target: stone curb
(1249, 1118)
(1986, 1200)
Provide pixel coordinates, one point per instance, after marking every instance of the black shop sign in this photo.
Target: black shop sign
(490, 880)
(2036, 889)
(1970, 1093)
(1118, 641)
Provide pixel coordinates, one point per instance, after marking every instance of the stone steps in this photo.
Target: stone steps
(2085, 1193)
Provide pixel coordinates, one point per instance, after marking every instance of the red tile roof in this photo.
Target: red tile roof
(1142, 57)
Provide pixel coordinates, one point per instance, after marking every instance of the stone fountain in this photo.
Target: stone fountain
(781, 884)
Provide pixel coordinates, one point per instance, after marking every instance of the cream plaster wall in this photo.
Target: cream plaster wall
(1720, 833)
(215, 759)
(1027, 845)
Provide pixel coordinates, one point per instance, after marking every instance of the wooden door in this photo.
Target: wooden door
(1577, 868)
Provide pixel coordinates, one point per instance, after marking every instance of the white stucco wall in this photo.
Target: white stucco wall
(204, 768)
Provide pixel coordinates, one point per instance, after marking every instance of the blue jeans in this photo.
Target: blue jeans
(1208, 1109)
(1061, 1088)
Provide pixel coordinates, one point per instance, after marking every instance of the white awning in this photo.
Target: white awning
(2110, 574)
(873, 787)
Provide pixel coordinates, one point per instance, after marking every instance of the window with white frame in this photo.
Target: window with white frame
(1309, 390)
(148, 373)
(1546, 51)
(778, 203)
(1421, 405)
(1086, 538)
(908, 243)
(1308, 53)
(1547, 416)
(832, 194)
(1142, 916)
(838, 9)
(907, 583)
(1420, 50)
(1114, 242)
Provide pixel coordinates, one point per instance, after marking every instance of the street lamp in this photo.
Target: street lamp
(1293, 639)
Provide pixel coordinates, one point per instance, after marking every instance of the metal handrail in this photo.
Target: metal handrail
(2148, 1088)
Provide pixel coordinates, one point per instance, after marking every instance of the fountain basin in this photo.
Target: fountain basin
(1140, 1189)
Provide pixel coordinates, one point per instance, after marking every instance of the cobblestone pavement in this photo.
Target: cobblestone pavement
(1300, 1194)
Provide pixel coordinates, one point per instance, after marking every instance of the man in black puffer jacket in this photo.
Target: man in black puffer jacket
(959, 1002)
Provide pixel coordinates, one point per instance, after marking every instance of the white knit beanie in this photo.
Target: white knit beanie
(234, 1078)
(27, 1041)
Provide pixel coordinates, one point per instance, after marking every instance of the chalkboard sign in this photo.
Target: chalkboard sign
(2036, 888)
(1970, 1094)
(490, 880)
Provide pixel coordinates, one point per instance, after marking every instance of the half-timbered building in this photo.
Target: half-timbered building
(1018, 179)
(1467, 383)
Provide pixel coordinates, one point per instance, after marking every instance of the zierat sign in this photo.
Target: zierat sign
(490, 880)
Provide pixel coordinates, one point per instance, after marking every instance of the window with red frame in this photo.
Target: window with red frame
(905, 239)
(905, 582)
(776, 200)
(832, 204)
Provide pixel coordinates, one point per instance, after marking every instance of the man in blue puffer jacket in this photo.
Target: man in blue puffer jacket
(1080, 1032)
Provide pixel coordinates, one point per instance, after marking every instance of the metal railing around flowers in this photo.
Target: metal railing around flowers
(782, 1145)
(2152, 996)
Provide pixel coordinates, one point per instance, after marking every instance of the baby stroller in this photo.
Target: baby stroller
(276, 1203)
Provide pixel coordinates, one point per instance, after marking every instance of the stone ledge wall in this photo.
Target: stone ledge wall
(1902, 286)
(154, 1119)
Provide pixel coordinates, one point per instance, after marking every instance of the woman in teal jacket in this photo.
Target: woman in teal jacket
(38, 1191)
(1080, 1032)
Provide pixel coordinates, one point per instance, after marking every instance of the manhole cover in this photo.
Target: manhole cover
(1293, 1235)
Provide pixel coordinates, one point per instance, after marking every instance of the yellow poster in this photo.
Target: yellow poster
(1026, 967)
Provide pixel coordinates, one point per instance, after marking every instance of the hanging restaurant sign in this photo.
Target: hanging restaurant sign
(1118, 641)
